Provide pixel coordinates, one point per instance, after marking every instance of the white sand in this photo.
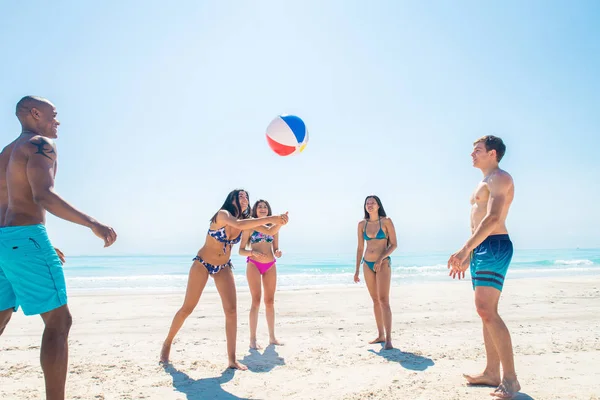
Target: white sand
(116, 339)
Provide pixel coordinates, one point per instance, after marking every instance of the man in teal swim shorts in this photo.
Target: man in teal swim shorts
(488, 253)
(31, 274)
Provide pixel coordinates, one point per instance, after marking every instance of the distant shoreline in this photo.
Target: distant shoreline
(329, 254)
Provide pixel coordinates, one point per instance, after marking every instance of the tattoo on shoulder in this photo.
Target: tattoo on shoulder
(44, 148)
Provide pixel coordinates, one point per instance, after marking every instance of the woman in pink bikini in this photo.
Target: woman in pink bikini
(213, 259)
(261, 264)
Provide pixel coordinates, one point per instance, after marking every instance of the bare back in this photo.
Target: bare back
(497, 187)
(4, 159)
(17, 202)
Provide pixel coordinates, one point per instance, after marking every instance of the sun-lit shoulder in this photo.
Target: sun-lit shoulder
(41, 139)
(222, 214)
(361, 223)
(500, 180)
(41, 145)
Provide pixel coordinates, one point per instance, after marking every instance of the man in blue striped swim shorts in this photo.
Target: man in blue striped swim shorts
(31, 274)
(488, 253)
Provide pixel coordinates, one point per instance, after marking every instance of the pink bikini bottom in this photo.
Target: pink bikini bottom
(262, 267)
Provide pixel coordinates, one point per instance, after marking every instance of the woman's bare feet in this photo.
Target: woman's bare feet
(484, 379)
(275, 342)
(388, 345)
(507, 389)
(253, 345)
(380, 339)
(237, 365)
(164, 353)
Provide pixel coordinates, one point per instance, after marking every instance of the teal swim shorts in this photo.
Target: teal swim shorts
(490, 261)
(31, 274)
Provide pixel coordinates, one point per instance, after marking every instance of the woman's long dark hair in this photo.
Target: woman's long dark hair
(232, 205)
(381, 211)
(255, 208)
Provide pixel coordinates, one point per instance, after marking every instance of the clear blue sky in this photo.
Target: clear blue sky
(164, 107)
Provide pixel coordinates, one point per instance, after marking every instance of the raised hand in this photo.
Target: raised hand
(284, 218)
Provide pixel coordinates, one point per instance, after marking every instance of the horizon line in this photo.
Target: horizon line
(324, 253)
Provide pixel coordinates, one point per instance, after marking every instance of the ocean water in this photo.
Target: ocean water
(304, 271)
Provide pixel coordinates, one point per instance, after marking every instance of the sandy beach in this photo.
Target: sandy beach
(115, 342)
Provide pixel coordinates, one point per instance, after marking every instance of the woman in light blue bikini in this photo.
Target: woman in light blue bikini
(213, 259)
(261, 267)
(378, 231)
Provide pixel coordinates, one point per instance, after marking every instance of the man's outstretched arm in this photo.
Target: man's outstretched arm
(41, 167)
(40, 173)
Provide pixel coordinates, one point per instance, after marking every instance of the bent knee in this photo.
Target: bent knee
(5, 317)
(59, 319)
(4, 322)
(186, 311)
(486, 312)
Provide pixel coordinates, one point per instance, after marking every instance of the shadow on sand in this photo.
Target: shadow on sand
(264, 362)
(518, 396)
(201, 389)
(410, 361)
(522, 396)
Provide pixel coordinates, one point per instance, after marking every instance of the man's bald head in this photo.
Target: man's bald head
(28, 103)
(37, 114)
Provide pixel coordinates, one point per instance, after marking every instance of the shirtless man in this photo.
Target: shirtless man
(488, 252)
(31, 274)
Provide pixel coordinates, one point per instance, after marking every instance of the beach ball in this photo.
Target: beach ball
(287, 135)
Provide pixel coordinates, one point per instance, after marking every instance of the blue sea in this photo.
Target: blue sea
(304, 271)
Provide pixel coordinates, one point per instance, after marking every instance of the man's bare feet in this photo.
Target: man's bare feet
(253, 345)
(484, 379)
(237, 365)
(388, 345)
(275, 342)
(507, 389)
(380, 339)
(164, 353)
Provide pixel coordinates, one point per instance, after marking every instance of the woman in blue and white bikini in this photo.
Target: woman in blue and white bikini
(378, 231)
(213, 259)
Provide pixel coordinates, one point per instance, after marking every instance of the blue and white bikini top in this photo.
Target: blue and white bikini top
(221, 236)
(258, 237)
